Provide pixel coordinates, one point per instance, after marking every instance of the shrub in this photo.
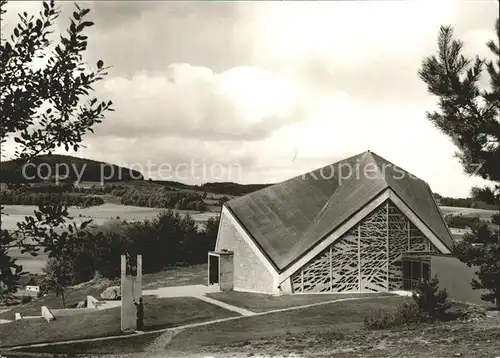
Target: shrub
(26, 299)
(462, 221)
(379, 319)
(431, 301)
(472, 314)
(406, 314)
(495, 218)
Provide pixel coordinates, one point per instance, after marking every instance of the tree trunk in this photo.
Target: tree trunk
(497, 299)
(63, 300)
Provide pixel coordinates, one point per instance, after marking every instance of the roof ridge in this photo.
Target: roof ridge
(299, 176)
(328, 203)
(377, 166)
(323, 210)
(376, 156)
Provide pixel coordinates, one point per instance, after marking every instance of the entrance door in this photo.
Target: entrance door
(214, 270)
(414, 272)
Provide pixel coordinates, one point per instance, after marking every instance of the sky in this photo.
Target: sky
(259, 92)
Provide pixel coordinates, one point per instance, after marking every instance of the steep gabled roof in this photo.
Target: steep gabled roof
(28, 280)
(288, 219)
(31, 282)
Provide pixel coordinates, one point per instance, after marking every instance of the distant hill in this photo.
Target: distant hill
(223, 188)
(235, 189)
(45, 166)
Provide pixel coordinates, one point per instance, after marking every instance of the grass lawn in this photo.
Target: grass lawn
(336, 318)
(176, 276)
(331, 330)
(158, 313)
(257, 302)
(337, 329)
(95, 324)
(188, 275)
(126, 345)
(233, 335)
(73, 296)
(339, 316)
(170, 312)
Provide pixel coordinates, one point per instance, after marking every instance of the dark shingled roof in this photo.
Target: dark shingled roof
(28, 280)
(288, 219)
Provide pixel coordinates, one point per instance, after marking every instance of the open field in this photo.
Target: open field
(99, 214)
(158, 313)
(482, 213)
(32, 264)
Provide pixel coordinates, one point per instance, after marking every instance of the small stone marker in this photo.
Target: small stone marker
(47, 314)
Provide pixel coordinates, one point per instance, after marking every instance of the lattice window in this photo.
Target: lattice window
(345, 263)
(418, 241)
(296, 279)
(334, 270)
(373, 251)
(316, 276)
(367, 258)
(398, 244)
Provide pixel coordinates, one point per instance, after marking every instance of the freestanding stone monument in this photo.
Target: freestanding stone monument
(131, 291)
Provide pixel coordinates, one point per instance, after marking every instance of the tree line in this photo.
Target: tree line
(465, 203)
(21, 197)
(153, 197)
(465, 221)
(164, 199)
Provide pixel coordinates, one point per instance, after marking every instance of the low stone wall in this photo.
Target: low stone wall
(456, 277)
(70, 311)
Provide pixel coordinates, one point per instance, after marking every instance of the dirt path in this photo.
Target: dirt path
(241, 311)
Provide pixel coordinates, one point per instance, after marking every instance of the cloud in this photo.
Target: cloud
(151, 35)
(242, 103)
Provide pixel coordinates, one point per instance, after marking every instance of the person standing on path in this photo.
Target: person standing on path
(140, 314)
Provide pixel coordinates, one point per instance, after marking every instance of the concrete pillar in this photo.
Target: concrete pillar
(226, 273)
(138, 280)
(131, 290)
